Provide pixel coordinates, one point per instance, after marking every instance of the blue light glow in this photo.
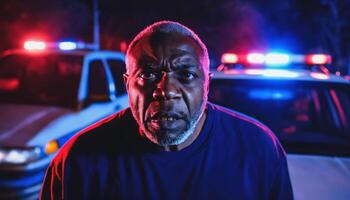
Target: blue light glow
(256, 58)
(67, 45)
(277, 59)
(266, 94)
(279, 73)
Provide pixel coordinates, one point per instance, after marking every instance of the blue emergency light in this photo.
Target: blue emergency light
(67, 45)
(277, 59)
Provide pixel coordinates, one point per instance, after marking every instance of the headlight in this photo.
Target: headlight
(19, 156)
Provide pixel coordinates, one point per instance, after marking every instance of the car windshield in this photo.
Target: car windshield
(42, 79)
(307, 117)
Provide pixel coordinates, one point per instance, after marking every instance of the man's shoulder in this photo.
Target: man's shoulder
(251, 133)
(108, 125)
(98, 136)
(233, 117)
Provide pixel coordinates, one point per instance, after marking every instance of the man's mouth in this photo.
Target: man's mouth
(166, 116)
(166, 120)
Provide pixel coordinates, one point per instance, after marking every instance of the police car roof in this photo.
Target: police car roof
(278, 74)
(90, 53)
(44, 52)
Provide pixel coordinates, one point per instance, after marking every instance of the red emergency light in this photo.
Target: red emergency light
(33, 45)
(229, 58)
(318, 59)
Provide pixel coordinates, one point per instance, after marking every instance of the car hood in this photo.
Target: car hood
(319, 177)
(19, 123)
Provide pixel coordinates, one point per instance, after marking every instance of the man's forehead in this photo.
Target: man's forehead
(183, 48)
(172, 44)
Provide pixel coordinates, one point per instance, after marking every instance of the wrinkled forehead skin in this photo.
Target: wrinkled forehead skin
(160, 45)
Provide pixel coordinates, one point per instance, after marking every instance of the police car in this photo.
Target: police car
(306, 106)
(48, 92)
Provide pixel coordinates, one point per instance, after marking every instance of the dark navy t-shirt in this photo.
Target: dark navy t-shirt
(234, 157)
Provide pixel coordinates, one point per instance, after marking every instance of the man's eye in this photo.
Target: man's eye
(188, 76)
(147, 75)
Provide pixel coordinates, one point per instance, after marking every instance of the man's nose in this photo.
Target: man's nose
(166, 88)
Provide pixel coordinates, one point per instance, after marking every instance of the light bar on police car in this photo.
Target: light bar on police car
(229, 58)
(275, 59)
(318, 59)
(33, 45)
(67, 45)
(256, 58)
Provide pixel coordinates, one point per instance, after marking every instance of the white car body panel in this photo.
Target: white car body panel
(77, 120)
(319, 177)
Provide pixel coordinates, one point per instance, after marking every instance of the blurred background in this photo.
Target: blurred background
(295, 26)
(47, 96)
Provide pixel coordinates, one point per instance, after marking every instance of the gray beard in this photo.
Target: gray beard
(168, 140)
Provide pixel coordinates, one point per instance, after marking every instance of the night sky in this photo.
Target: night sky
(294, 26)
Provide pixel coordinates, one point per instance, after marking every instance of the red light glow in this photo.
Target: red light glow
(318, 59)
(9, 84)
(229, 58)
(319, 76)
(34, 45)
(232, 71)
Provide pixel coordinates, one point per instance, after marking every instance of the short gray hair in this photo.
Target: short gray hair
(169, 27)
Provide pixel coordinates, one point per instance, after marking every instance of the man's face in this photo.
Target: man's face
(167, 87)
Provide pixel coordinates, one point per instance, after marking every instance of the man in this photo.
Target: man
(171, 143)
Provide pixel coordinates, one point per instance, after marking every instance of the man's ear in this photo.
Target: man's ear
(126, 78)
(209, 80)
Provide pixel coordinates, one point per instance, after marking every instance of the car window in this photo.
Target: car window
(40, 79)
(118, 69)
(98, 84)
(302, 115)
(343, 96)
